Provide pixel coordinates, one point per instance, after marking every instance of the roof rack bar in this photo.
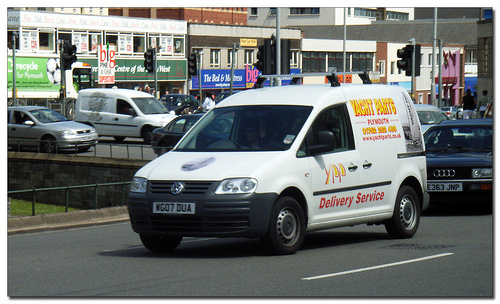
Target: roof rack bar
(296, 78)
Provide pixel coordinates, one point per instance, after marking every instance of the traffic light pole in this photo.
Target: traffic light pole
(198, 69)
(413, 43)
(155, 73)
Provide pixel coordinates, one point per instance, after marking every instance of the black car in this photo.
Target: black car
(223, 95)
(460, 160)
(164, 139)
(179, 102)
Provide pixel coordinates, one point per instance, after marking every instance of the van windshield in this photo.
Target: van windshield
(150, 105)
(246, 128)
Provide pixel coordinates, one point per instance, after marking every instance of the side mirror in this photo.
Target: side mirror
(132, 112)
(326, 143)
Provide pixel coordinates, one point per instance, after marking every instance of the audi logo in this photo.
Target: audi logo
(443, 173)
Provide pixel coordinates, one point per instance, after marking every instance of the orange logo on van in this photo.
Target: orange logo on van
(333, 172)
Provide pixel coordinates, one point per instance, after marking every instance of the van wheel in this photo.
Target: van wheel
(286, 227)
(160, 243)
(406, 216)
(119, 138)
(147, 135)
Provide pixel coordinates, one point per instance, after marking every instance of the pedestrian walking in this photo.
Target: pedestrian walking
(468, 104)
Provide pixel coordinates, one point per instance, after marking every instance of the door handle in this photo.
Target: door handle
(367, 165)
(352, 167)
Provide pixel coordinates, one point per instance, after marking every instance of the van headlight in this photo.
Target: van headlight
(237, 186)
(139, 185)
(482, 172)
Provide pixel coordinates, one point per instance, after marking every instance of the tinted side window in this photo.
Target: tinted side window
(336, 120)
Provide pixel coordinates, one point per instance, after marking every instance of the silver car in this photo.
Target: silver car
(35, 126)
(429, 115)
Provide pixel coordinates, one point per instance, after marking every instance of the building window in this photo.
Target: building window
(313, 61)
(381, 67)
(396, 16)
(139, 43)
(214, 58)
(229, 58)
(272, 11)
(294, 59)
(304, 11)
(253, 11)
(46, 41)
(393, 67)
(363, 12)
(249, 57)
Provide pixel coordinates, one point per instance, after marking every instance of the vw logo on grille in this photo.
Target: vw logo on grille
(444, 173)
(177, 188)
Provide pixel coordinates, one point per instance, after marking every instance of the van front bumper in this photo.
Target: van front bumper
(235, 215)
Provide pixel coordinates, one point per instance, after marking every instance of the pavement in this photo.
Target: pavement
(73, 219)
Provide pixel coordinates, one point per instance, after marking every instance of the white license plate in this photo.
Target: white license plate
(444, 187)
(173, 208)
(86, 138)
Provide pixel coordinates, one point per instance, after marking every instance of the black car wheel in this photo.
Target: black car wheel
(160, 243)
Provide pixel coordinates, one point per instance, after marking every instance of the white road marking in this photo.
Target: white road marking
(376, 267)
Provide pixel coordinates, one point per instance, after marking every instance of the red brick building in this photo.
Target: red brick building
(210, 15)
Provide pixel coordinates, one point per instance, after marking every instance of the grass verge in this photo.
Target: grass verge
(23, 208)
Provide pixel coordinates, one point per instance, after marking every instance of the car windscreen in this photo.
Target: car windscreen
(431, 117)
(47, 115)
(246, 128)
(150, 105)
(459, 138)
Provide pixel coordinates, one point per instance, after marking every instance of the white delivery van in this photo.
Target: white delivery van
(274, 163)
(121, 112)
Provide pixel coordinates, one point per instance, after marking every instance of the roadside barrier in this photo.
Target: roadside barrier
(67, 188)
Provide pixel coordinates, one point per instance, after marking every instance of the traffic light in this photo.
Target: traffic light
(285, 56)
(68, 55)
(417, 60)
(406, 54)
(192, 66)
(264, 58)
(149, 60)
(405, 62)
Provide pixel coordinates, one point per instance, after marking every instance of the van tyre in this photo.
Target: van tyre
(406, 217)
(160, 243)
(285, 234)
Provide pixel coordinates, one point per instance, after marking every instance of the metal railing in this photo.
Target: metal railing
(18, 143)
(67, 188)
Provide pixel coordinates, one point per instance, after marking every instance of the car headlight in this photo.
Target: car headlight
(93, 130)
(237, 186)
(482, 172)
(139, 185)
(67, 132)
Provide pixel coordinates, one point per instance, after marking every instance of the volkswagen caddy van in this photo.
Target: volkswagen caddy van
(121, 113)
(277, 162)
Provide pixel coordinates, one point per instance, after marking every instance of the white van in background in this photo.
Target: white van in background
(121, 112)
(276, 162)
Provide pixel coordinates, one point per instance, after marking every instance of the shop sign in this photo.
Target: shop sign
(133, 70)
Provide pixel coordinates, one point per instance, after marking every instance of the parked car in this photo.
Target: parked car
(429, 115)
(35, 126)
(453, 112)
(178, 102)
(223, 95)
(459, 160)
(164, 139)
